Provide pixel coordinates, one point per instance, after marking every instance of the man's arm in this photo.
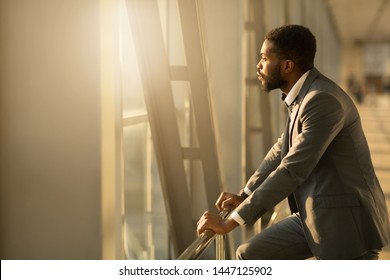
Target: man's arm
(269, 164)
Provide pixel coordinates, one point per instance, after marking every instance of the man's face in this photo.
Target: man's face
(268, 68)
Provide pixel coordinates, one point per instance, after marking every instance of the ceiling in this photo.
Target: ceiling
(361, 21)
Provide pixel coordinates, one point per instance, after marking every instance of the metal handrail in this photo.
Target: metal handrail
(196, 248)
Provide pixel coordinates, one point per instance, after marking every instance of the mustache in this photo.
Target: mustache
(261, 76)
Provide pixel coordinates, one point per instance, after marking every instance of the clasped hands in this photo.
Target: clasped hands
(214, 222)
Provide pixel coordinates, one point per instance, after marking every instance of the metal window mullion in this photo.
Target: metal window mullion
(134, 119)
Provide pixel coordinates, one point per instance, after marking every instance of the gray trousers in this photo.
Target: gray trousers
(284, 241)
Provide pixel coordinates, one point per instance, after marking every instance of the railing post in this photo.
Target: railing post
(220, 247)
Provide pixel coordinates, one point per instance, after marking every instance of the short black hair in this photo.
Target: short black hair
(294, 42)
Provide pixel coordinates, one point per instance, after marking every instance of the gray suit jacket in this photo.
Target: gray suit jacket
(323, 164)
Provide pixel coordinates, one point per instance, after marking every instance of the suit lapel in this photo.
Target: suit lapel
(285, 145)
(305, 88)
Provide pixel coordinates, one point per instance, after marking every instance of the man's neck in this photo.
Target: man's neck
(291, 80)
(295, 89)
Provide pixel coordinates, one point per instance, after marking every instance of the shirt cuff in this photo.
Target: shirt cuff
(235, 216)
(247, 191)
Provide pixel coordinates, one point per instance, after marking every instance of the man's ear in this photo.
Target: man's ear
(288, 66)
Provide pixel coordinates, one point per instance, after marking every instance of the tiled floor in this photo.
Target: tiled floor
(375, 114)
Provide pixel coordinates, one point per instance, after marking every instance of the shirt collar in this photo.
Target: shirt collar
(293, 94)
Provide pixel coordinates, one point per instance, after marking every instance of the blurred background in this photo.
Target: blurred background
(121, 121)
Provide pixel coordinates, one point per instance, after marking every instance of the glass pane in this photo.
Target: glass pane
(172, 32)
(182, 101)
(146, 228)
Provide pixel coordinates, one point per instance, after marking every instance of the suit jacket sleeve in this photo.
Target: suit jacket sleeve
(320, 118)
(269, 164)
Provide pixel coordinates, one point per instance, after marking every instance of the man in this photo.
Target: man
(321, 163)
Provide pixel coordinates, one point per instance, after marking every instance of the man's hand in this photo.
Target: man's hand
(228, 200)
(215, 223)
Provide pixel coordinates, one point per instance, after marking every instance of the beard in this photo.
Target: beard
(273, 81)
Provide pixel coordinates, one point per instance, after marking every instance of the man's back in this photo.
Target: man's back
(340, 200)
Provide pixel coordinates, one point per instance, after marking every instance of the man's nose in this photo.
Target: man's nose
(259, 66)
